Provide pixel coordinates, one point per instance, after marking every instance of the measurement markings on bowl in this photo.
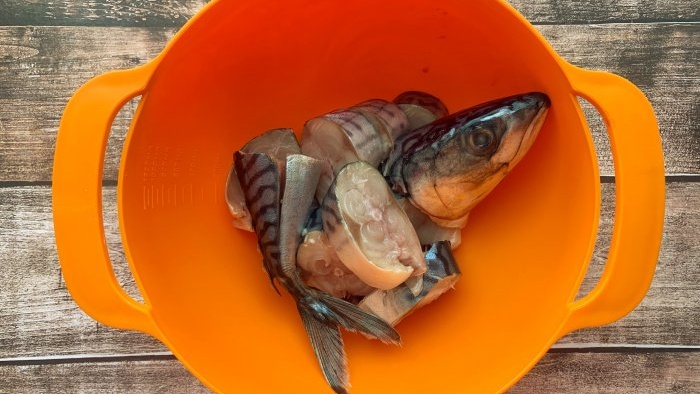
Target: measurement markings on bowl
(172, 179)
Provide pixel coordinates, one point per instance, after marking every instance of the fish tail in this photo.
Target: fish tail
(352, 318)
(328, 346)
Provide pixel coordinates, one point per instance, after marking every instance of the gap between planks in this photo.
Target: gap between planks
(676, 178)
(157, 356)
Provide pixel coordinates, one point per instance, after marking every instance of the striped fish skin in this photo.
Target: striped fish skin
(278, 143)
(261, 184)
(448, 166)
(279, 207)
(366, 135)
(393, 119)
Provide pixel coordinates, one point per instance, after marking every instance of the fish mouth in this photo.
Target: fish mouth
(529, 114)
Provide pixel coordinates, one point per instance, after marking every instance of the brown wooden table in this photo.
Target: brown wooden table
(49, 48)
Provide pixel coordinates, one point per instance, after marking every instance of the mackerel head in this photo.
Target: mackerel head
(446, 167)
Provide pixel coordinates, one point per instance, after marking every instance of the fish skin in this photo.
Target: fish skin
(392, 117)
(423, 100)
(325, 140)
(235, 200)
(420, 108)
(301, 178)
(279, 143)
(260, 182)
(321, 314)
(427, 230)
(396, 304)
(442, 172)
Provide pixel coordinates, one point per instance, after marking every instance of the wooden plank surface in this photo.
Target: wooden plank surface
(38, 317)
(176, 12)
(669, 313)
(581, 373)
(614, 373)
(36, 86)
(49, 48)
(98, 13)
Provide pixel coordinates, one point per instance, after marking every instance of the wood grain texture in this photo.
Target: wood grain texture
(669, 313)
(650, 373)
(176, 12)
(49, 48)
(38, 317)
(606, 11)
(98, 13)
(662, 61)
(141, 377)
(582, 373)
(41, 67)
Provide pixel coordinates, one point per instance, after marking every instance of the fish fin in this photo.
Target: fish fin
(352, 318)
(328, 346)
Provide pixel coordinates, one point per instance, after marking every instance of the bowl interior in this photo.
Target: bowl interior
(244, 67)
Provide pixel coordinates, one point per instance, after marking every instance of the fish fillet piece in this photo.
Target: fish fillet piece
(394, 120)
(427, 230)
(325, 140)
(302, 174)
(420, 108)
(321, 268)
(278, 227)
(366, 135)
(278, 143)
(371, 233)
(235, 201)
(395, 304)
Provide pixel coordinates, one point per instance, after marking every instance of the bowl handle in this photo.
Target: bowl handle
(639, 192)
(77, 199)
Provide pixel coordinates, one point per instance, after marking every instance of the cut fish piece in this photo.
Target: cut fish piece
(235, 200)
(371, 233)
(325, 140)
(278, 144)
(394, 119)
(395, 304)
(366, 135)
(278, 227)
(297, 199)
(322, 269)
(427, 230)
(420, 108)
(417, 116)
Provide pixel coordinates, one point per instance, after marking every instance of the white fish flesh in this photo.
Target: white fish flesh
(420, 108)
(372, 235)
(322, 269)
(427, 230)
(395, 304)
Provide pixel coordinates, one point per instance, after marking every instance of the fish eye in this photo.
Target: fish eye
(482, 139)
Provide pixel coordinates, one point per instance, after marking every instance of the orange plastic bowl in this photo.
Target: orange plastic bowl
(241, 67)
